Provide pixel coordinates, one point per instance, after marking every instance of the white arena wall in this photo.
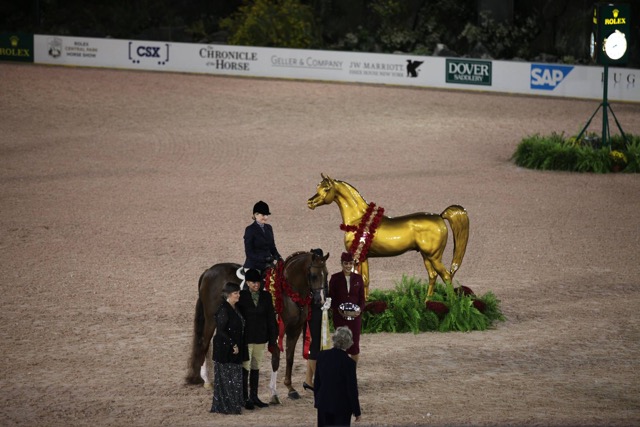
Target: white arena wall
(513, 77)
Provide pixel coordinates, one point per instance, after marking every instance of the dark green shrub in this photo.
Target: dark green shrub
(555, 152)
(272, 23)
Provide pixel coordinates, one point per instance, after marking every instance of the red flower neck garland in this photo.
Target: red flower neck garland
(276, 285)
(364, 231)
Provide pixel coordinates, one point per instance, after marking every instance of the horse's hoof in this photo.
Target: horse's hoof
(207, 386)
(294, 395)
(275, 400)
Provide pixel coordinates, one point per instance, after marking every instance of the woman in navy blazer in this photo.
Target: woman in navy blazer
(259, 243)
(335, 385)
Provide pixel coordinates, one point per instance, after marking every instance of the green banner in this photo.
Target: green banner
(469, 72)
(16, 47)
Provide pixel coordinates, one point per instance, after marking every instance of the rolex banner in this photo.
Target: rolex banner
(16, 47)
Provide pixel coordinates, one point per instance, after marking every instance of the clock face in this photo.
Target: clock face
(592, 46)
(615, 45)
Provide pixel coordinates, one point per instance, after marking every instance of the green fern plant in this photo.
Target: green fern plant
(406, 311)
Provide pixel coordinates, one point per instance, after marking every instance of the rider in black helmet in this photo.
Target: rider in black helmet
(259, 243)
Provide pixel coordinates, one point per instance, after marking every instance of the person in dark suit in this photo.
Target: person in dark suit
(347, 286)
(259, 242)
(229, 351)
(256, 306)
(335, 383)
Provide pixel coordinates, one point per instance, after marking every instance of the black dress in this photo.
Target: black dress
(315, 323)
(227, 380)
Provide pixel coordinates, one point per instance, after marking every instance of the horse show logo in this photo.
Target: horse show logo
(55, 47)
(139, 52)
(548, 77)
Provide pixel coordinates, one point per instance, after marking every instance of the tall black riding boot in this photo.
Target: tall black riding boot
(248, 403)
(254, 379)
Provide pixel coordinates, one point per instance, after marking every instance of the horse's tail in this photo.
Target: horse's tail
(195, 361)
(459, 221)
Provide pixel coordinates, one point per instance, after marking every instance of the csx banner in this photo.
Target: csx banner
(16, 47)
(611, 20)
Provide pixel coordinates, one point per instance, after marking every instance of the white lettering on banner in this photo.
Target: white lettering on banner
(468, 68)
(546, 77)
(467, 78)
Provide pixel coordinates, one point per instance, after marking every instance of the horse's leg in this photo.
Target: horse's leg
(290, 352)
(273, 382)
(437, 265)
(433, 275)
(197, 346)
(206, 370)
(293, 333)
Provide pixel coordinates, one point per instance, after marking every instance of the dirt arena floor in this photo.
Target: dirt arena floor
(119, 188)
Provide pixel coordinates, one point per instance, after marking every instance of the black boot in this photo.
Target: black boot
(254, 379)
(248, 403)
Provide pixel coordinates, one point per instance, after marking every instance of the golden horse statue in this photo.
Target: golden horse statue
(368, 233)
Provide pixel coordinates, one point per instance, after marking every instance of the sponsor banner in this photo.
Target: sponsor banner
(468, 72)
(339, 66)
(16, 47)
(89, 52)
(548, 76)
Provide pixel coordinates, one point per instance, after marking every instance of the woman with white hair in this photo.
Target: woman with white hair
(335, 385)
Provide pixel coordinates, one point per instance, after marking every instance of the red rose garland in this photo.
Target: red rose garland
(276, 285)
(364, 231)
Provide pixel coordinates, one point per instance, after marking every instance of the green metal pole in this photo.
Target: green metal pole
(605, 119)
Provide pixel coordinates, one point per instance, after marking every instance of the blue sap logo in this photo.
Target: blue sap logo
(548, 77)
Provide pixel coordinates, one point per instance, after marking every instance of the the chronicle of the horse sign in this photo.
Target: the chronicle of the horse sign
(369, 233)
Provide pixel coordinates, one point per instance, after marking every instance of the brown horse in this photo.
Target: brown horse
(303, 273)
(423, 232)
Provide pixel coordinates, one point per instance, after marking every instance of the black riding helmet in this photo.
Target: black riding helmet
(261, 208)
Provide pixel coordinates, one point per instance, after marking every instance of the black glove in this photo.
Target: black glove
(269, 260)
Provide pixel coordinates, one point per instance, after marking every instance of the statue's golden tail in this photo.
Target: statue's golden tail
(459, 221)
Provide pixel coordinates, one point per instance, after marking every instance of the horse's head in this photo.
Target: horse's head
(325, 193)
(318, 275)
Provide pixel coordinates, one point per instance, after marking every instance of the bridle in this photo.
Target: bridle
(314, 270)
